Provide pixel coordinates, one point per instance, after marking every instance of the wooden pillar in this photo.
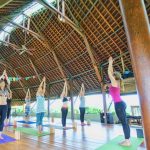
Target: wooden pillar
(138, 35)
(71, 98)
(48, 102)
(48, 108)
(104, 105)
(104, 96)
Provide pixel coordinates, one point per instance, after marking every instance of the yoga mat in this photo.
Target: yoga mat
(29, 122)
(31, 131)
(113, 144)
(6, 139)
(8, 125)
(57, 127)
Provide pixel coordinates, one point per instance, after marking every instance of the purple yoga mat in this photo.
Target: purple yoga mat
(6, 139)
(8, 125)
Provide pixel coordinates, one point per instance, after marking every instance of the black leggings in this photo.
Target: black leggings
(3, 111)
(82, 112)
(64, 112)
(120, 109)
(8, 112)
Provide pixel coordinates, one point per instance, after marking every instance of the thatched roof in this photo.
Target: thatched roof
(99, 20)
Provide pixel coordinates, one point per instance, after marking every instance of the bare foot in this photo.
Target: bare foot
(64, 128)
(83, 124)
(39, 132)
(125, 143)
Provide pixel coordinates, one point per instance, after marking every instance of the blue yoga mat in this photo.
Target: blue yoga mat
(6, 139)
(8, 125)
(29, 122)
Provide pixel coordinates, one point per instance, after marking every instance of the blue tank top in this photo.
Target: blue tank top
(27, 109)
(82, 101)
(40, 104)
(27, 100)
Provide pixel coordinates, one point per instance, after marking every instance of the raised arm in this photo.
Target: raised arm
(9, 94)
(65, 90)
(2, 76)
(5, 77)
(110, 72)
(82, 91)
(28, 96)
(44, 85)
(41, 89)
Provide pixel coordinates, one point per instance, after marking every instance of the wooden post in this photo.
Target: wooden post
(138, 35)
(26, 29)
(17, 135)
(48, 108)
(104, 96)
(71, 98)
(48, 103)
(35, 70)
(104, 105)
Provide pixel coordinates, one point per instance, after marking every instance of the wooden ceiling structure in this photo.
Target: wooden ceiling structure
(76, 49)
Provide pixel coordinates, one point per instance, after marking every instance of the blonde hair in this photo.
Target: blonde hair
(117, 75)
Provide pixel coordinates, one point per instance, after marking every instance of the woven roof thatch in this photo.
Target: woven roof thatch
(100, 21)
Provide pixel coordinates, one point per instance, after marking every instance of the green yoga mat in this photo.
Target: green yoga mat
(113, 144)
(31, 131)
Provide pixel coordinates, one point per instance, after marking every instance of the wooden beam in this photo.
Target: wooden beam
(148, 1)
(16, 94)
(10, 44)
(58, 64)
(92, 59)
(33, 66)
(35, 70)
(3, 3)
(80, 31)
(138, 35)
(47, 44)
(54, 10)
(26, 29)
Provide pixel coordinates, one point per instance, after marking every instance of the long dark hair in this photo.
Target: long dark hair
(7, 86)
(65, 99)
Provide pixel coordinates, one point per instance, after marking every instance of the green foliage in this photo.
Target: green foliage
(90, 110)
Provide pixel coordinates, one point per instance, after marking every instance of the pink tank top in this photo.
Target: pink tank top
(115, 93)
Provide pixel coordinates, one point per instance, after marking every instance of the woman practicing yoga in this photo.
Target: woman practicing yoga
(9, 99)
(4, 88)
(82, 104)
(120, 106)
(40, 105)
(64, 108)
(27, 106)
